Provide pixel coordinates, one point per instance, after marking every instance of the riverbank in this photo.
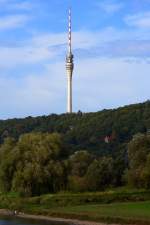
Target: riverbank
(113, 207)
(55, 219)
(5, 212)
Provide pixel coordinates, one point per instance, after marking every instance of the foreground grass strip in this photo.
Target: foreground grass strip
(88, 206)
(129, 213)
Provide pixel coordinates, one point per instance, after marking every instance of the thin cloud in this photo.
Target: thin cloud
(13, 21)
(112, 82)
(137, 49)
(3, 1)
(140, 20)
(110, 7)
(38, 49)
(16, 5)
(51, 47)
(25, 5)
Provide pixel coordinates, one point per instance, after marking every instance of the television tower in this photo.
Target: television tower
(69, 68)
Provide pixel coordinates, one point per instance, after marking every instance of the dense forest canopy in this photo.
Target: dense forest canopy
(100, 132)
(76, 152)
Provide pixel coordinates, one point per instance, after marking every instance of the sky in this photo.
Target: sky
(111, 47)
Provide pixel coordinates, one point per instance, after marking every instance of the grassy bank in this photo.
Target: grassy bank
(113, 206)
(134, 213)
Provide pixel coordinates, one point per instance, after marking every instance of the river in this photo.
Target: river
(19, 221)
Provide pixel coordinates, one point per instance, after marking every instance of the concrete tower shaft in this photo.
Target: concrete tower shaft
(69, 69)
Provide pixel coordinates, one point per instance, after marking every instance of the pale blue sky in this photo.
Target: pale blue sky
(111, 45)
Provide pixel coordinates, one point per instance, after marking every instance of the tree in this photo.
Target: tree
(8, 159)
(78, 165)
(100, 174)
(138, 155)
(33, 165)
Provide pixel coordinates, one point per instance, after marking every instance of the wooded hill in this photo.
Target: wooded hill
(103, 132)
(76, 152)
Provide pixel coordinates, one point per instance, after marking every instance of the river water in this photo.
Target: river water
(18, 221)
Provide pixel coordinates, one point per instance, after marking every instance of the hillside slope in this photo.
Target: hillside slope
(103, 132)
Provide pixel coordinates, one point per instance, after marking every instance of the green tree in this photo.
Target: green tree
(138, 155)
(33, 165)
(100, 174)
(8, 159)
(78, 165)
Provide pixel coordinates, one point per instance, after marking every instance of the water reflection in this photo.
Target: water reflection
(19, 221)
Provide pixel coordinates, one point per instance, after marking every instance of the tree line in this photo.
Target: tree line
(86, 130)
(39, 163)
(78, 151)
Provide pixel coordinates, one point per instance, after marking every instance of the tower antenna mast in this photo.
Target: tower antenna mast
(69, 33)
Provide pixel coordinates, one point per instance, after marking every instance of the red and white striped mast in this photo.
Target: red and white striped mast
(69, 68)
